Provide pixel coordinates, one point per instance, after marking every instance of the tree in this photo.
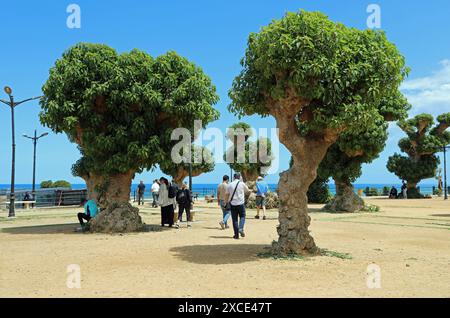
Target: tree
(344, 159)
(251, 159)
(318, 79)
(120, 109)
(57, 184)
(421, 145)
(180, 171)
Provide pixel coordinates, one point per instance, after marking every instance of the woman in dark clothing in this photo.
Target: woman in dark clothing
(166, 203)
(184, 200)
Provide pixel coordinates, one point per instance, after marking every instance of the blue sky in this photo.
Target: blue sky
(212, 34)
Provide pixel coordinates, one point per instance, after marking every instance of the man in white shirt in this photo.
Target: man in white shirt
(155, 193)
(236, 191)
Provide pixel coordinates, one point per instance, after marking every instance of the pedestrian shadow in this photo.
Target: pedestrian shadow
(43, 229)
(221, 254)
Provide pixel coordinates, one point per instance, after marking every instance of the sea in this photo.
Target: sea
(203, 189)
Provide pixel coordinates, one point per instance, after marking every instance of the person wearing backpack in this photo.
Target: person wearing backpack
(166, 201)
(184, 200)
(236, 191)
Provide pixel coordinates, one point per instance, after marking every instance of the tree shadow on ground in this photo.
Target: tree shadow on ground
(441, 215)
(44, 229)
(219, 254)
(69, 229)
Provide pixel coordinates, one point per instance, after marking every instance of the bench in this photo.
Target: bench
(26, 204)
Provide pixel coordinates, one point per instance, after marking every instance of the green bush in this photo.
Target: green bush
(319, 192)
(57, 184)
(371, 192)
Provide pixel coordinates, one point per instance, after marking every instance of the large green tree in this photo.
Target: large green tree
(181, 170)
(345, 158)
(422, 143)
(121, 109)
(250, 158)
(318, 79)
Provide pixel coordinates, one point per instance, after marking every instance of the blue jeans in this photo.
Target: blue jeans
(155, 196)
(226, 213)
(238, 214)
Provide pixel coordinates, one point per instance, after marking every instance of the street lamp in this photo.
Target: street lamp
(35, 139)
(12, 104)
(445, 172)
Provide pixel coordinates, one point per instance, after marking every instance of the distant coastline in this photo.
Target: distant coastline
(205, 188)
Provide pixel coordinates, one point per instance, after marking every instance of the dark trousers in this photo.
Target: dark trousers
(82, 216)
(238, 217)
(182, 208)
(167, 215)
(140, 197)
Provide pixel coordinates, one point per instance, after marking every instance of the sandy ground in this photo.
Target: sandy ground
(408, 240)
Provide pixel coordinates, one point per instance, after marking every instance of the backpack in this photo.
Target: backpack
(172, 191)
(181, 197)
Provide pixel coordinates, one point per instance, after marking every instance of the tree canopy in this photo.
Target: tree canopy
(422, 143)
(120, 108)
(257, 156)
(180, 171)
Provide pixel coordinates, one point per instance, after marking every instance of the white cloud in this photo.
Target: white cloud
(430, 94)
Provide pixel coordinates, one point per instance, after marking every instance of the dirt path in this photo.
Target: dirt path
(408, 240)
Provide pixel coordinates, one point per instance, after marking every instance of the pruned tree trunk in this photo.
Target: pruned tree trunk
(249, 176)
(346, 200)
(112, 194)
(307, 152)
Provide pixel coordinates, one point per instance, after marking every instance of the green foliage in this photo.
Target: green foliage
(319, 192)
(206, 165)
(57, 184)
(371, 192)
(258, 155)
(121, 108)
(422, 143)
(348, 77)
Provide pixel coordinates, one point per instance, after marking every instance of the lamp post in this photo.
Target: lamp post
(34, 139)
(445, 172)
(12, 105)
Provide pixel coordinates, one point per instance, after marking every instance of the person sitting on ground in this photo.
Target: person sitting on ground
(90, 211)
(184, 200)
(394, 193)
(261, 191)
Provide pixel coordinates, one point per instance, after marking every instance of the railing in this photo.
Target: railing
(47, 197)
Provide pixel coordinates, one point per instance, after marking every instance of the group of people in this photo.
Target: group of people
(154, 191)
(393, 194)
(231, 199)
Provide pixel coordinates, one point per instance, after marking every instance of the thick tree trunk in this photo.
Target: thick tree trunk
(346, 200)
(249, 176)
(294, 236)
(112, 194)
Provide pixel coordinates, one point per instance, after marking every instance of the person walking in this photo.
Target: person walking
(155, 193)
(141, 191)
(184, 200)
(221, 200)
(261, 191)
(167, 202)
(236, 197)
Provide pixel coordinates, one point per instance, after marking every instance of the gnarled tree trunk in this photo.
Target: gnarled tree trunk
(346, 200)
(112, 194)
(307, 153)
(249, 176)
